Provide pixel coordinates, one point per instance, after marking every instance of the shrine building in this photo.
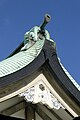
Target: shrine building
(34, 85)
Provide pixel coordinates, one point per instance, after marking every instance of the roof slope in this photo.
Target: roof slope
(22, 67)
(45, 62)
(21, 59)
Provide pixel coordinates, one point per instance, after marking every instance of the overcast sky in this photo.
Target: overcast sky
(19, 16)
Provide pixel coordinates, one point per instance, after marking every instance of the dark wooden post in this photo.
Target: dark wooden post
(29, 111)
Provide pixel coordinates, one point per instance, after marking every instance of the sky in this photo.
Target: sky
(19, 16)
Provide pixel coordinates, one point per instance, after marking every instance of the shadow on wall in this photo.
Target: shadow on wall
(4, 117)
(76, 118)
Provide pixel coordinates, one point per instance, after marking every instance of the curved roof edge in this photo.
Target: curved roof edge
(47, 59)
(62, 77)
(70, 77)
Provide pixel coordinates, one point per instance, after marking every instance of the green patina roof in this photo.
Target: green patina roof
(21, 59)
(17, 61)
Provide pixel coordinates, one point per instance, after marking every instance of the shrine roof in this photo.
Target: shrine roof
(39, 56)
(21, 59)
(26, 65)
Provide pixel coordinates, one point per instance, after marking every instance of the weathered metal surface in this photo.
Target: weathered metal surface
(21, 59)
(33, 43)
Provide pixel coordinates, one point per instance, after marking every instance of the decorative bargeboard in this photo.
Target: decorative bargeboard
(40, 93)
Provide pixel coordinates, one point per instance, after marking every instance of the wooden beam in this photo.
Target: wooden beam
(13, 109)
(4, 117)
(56, 115)
(41, 113)
(29, 111)
(40, 110)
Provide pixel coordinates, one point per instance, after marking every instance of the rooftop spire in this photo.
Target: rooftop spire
(47, 18)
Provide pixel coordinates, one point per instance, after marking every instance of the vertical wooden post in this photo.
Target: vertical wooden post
(29, 112)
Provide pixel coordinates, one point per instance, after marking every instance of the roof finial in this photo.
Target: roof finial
(47, 18)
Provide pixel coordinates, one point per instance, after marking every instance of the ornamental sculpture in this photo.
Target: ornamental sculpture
(39, 93)
(29, 49)
(36, 33)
